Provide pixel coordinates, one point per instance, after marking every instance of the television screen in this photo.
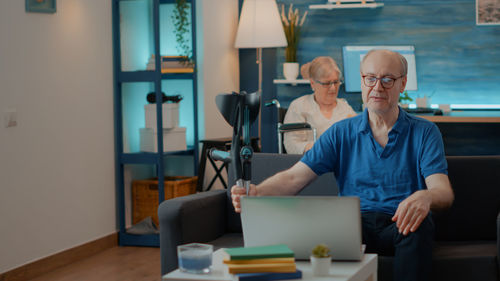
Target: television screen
(354, 54)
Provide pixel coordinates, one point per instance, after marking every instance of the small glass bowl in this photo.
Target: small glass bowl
(195, 257)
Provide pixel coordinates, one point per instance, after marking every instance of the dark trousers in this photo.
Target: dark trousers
(412, 253)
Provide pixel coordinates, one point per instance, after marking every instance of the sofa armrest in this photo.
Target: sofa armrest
(198, 217)
(498, 243)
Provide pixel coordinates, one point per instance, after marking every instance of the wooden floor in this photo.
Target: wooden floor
(115, 264)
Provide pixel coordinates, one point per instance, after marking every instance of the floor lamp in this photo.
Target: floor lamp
(260, 27)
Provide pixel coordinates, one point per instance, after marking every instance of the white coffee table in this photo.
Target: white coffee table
(364, 270)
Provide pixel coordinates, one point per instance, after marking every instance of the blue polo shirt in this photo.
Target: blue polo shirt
(380, 177)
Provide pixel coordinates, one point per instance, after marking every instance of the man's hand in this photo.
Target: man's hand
(237, 192)
(412, 211)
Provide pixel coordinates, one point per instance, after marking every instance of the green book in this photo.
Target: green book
(260, 252)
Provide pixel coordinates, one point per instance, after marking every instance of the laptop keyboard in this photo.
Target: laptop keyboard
(422, 110)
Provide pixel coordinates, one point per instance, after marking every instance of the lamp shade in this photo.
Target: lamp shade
(260, 25)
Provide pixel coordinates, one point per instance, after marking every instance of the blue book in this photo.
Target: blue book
(267, 276)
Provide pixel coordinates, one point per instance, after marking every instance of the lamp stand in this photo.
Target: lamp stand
(259, 62)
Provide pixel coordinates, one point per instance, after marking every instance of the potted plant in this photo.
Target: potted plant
(181, 22)
(321, 260)
(292, 24)
(404, 98)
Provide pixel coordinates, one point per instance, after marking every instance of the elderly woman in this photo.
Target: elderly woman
(320, 109)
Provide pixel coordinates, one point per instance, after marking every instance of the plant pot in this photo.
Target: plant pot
(424, 102)
(291, 70)
(321, 266)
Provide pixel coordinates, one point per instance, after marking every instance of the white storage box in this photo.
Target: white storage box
(170, 115)
(173, 139)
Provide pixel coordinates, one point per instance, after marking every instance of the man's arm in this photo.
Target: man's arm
(414, 209)
(288, 182)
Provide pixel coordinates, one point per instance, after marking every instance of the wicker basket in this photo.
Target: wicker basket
(145, 195)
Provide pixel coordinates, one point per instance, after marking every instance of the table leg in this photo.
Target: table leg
(218, 171)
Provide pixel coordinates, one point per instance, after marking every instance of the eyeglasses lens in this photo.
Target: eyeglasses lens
(386, 82)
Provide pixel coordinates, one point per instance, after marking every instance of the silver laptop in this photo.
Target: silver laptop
(302, 222)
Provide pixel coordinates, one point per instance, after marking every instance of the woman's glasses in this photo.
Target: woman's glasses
(329, 83)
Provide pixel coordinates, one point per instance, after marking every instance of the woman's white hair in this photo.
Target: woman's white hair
(323, 66)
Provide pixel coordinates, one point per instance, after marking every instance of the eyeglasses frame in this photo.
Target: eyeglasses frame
(380, 79)
(337, 83)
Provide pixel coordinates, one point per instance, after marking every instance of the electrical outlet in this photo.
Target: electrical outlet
(10, 117)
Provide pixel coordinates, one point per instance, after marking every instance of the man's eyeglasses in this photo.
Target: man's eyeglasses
(387, 82)
(329, 83)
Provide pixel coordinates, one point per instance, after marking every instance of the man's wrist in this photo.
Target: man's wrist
(428, 196)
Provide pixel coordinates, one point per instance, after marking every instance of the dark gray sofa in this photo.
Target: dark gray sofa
(467, 235)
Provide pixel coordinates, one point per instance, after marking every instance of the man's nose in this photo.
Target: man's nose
(378, 85)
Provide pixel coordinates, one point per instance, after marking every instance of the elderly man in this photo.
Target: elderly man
(393, 161)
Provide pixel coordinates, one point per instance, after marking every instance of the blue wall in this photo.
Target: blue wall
(458, 62)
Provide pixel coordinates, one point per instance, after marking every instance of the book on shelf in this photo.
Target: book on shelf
(261, 267)
(177, 70)
(259, 252)
(268, 276)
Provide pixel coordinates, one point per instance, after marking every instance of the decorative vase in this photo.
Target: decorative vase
(321, 266)
(291, 70)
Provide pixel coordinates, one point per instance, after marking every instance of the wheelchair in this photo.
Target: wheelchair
(281, 128)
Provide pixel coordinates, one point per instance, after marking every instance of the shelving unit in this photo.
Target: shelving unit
(129, 83)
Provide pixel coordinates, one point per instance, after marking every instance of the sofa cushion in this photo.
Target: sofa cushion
(457, 261)
(476, 183)
(228, 240)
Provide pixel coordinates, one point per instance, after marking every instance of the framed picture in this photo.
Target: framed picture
(41, 6)
(488, 12)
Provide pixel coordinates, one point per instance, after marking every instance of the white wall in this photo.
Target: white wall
(220, 66)
(220, 61)
(57, 166)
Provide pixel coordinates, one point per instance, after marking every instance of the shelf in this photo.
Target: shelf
(149, 76)
(177, 75)
(160, 1)
(347, 4)
(136, 76)
(171, 1)
(150, 157)
(292, 82)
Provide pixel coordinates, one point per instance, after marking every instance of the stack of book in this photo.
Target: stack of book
(171, 64)
(275, 262)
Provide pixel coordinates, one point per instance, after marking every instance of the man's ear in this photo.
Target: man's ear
(404, 80)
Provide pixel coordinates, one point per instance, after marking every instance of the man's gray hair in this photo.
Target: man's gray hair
(402, 59)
